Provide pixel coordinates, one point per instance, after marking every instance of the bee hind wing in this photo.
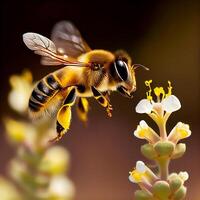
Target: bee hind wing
(68, 39)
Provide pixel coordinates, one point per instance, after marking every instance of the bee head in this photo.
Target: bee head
(124, 75)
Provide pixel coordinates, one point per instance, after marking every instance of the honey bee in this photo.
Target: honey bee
(84, 73)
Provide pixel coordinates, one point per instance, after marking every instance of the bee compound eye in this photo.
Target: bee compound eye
(121, 69)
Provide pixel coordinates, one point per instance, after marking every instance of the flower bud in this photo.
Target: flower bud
(161, 190)
(148, 151)
(164, 149)
(179, 151)
(180, 194)
(175, 182)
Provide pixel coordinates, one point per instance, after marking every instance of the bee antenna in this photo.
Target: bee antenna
(135, 66)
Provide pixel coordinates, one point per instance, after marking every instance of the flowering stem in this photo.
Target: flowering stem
(162, 129)
(163, 168)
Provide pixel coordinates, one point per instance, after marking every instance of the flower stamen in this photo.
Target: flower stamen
(160, 93)
(148, 93)
(169, 89)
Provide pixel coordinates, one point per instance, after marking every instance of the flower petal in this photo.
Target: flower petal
(131, 179)
(143, 124)
(140, 166)
(144, 106)
(180, 131)
(171, 104)
(143, 131)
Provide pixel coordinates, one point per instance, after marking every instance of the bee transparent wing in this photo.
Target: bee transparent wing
(68, 39)
(47, 49)
(49, 61)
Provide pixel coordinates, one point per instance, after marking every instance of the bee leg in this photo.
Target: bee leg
(82, 109)
(64, 115)
(102, 100)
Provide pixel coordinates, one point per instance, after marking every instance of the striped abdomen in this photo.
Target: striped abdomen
(43, 92)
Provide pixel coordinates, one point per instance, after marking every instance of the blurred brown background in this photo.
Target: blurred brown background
(163, 35)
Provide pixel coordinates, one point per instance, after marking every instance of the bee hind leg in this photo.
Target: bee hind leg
(103, 100)
(82, 109)
(64, 115)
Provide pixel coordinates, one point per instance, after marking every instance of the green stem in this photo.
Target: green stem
(163, 168)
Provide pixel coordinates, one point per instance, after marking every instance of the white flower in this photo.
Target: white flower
(164, 102)
(142, 174)
(169, 104)
(138, 174)
(143, 131)
(180, 131)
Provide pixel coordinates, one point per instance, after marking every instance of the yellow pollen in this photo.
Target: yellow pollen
(148, 84)
(136, 175)
(141, 133)
(169, 89)
(183, 133)
(158, 91)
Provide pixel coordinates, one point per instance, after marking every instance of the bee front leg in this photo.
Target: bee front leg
(102, 100)
(64, 115)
